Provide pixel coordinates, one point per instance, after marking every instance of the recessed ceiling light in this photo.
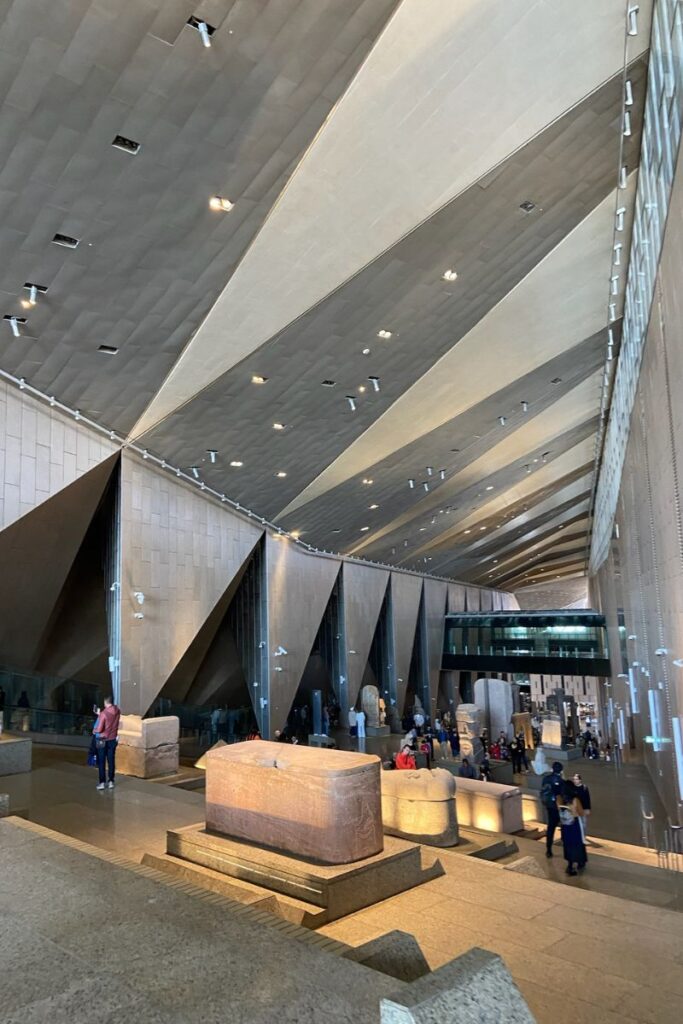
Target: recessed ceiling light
(328, 383)
(221, 203)
(258, 379)
(281, 474)
(236, 463)
(468, 531)
(107, 350)
(34, 290)
(527, 206)
(422, 529)
(366, 351)
(375, 382)
(336, 531)
(373, 506)
(65, 240)
(364, 529)
(278, 426)
(362, 388)
(367, 480)
(411, 484)
(126, 145)
(450, 275)
(295, 534)
(482, 527)
(490, 487)
(384, 334)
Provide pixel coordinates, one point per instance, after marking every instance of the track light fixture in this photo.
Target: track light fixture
(632, 19)
(627, 124)
(617, 254)
(411, 484)
(195, 472)
(623, 178)
(14, 322)
(621, 213)
(612, 312)
(375, 382)
(525, 406)
(502, 420)
(430, 470)
(212, 453)
(352, 402)
(615, 284)
(221, 203)
(425, 485)
(442, 474)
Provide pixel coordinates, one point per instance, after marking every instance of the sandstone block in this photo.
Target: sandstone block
(489, 806)
(135, 731)
(315, 803)
(15, 754)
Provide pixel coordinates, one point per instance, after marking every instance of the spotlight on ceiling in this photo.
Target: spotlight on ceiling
(375, 382)
(33, 291)
(366, 351)
(411, 484)
(14, 322)
(525, 406)
(621, 213)
(352, 402)
(442, 474)
(502, 420)
(628, 93)
(367, 480)
(632, 19)
(425, 485)
(281, 474)
(195, 472)
(236, 463)
(258, 379)
(430, 470)
(627, 124)
(278, 426)
(221, 203)
(450, 275)
(384, 334)
(623, 177)
(212, 453)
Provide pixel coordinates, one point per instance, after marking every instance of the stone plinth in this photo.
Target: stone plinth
(378, 730)
(489, 806)
(148, 747)
(315, 803)
(420, 806)
(476, 988)
(15, 754)
(339, 889)
(319, 740)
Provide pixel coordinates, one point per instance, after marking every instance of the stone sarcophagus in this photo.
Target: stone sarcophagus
(321, 804)
(420, 806)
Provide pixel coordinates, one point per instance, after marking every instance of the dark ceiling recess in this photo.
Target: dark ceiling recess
(127, 145)
(66, 240)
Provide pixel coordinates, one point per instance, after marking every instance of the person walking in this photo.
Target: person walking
(106, 732)
(570, 813)
(583, 793)
(551, 789)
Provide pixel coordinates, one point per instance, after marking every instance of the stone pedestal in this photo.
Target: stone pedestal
(320, 804)
(148, 747)
(15, 754)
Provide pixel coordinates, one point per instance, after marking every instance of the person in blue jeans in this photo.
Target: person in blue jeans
(106, 732)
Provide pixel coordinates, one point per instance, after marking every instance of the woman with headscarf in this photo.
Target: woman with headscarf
(571, 811)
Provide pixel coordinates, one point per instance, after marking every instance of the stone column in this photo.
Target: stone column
(148, 747)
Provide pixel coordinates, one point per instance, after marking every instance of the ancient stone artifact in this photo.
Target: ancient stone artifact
(490, 806)
(551, 732)
(148, 747)
(467, 723)
(315, 803)
(369, 701)
(420, 806)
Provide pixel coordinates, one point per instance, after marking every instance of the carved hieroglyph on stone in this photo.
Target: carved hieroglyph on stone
(316, 803)
(148, 747)
(420, 806)
(467, 723)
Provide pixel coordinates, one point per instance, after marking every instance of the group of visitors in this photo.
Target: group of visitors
(513, 750)
(567, 804)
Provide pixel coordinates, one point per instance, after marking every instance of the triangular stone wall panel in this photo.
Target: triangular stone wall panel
(364, 588)
(181, 551)
(456, 597)
(435, 598)
(299, 585)
(473, 599)
(406, 592)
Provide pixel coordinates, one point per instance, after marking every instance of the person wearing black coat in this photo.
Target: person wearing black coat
(583, 793)
(551, 788)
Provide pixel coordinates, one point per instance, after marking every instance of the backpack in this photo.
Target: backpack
(547, 793)
(566, 816)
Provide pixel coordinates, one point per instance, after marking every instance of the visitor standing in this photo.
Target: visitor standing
(454, 740)
(583, 793)
(467, 770)
(551, 789)
(353, 722)
(419, 720)
(514, 754)
(570, 813)
(215, 721)
(360, 724)
(106, 732)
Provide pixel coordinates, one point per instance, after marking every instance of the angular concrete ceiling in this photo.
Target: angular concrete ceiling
(368, 147)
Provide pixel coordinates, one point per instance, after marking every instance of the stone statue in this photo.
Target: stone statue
(467, 723)
(369, 702)
(539, 763)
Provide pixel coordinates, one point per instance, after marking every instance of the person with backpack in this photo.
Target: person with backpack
(570, 812)
(106, 733)
(551, 788)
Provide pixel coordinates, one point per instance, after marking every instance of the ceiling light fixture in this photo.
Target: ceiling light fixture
(623, 177)
(442, 474)
(450, 275)
(373, 506)
(107, 350)
(411, 484)
(489, 487)
(384, 334)
(556, 380)
(362, 388)
(612, 312)
(258, 379)
(468, 531)
(366, 480)
(525, 406)
(33, 291)
(195, 472)
(205, 30)
(375, 382)
(364, 529)
(627, 124)
(502, 420)
(430, 470)
(236, 463)
(628, 93)
(221, 203)
(632, 16)
(621, 213)
(281, 474)
(482, 528)
(615, 284)
(617, 254)
(366, 351)
(328, 383)
(278, 426)
(352, 402)
(14, 322)
(128, 146)
(212, 453)
(425, 485)
(66, 241)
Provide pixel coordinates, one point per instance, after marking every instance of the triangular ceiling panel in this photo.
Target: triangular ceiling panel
(37, 552)
(298, 587)
(364, 587)
(426, 72)
(181, 552)
(435, 598)
(406, 592)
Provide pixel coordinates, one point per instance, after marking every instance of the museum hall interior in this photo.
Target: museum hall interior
(341, 531)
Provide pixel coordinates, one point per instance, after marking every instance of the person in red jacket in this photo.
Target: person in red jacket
(106, 731)
(405, 759)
